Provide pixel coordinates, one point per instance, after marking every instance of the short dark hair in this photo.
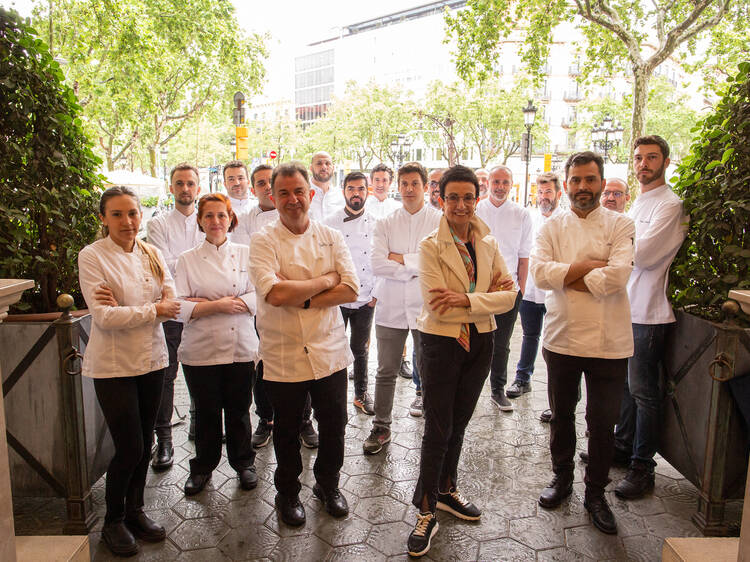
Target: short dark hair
(458, 173)
(233, 164)
(549, 177)
(181, 167)
(653, 139)
(219, 198)
(354, 176)
(382, 168)
(258, 169)
(289, 169)
(581, 158)
(413, 167)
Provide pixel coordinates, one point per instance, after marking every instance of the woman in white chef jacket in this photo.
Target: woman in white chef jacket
(129, 292)
(219, 346)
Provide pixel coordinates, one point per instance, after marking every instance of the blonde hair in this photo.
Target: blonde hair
(154, 262)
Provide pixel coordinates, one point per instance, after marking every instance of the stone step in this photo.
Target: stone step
(711, 549)
(60, 548)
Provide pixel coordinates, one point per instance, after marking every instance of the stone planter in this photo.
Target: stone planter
(58, 440)
(704, 436)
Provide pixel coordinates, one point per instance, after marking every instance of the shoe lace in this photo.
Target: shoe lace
(423, 521)
(459, 497)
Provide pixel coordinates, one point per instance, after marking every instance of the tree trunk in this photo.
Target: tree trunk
(641, 77)
(152, 160)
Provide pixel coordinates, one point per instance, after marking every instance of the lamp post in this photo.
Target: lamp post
(399, 148)
(529, 114)
(601, 133)
(164, 151)
(233, 144)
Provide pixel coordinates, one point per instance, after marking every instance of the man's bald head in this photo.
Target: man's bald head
(321, 166)
(615, 195)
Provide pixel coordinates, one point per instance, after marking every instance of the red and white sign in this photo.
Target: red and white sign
(272, 154)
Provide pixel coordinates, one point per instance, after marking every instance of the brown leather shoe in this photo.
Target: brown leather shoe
(559, 489)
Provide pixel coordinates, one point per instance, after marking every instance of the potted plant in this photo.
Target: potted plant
(708, 358)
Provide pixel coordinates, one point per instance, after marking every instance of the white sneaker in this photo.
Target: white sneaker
(416, 409)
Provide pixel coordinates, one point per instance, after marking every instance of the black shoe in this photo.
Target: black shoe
(163, 456)
(291, 511)
(636, 483)
(119, 539)
(517, 389)
(601, 515)
(262, 434)
(248, 478)
(195, 483)
(454, 503)
(546, 416)
(334, 501)
(502, 402)
(559, 489)
(144, 527)
(405, 369)
(621, 458)
(420, 538)
(308, 435)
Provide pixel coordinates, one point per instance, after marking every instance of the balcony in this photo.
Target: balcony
(572, 96)
(567, 122)
(574, 70)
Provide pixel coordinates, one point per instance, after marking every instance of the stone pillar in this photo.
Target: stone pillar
(10, 293)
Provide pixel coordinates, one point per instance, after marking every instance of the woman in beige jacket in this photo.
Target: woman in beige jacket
(464, 283)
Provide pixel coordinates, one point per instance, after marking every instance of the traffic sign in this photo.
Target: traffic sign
(272, 154)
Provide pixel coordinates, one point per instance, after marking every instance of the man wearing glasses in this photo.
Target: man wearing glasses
(615, 195)
(433, 187)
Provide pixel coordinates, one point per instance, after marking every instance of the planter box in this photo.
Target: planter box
(59, 445)
(704, 436)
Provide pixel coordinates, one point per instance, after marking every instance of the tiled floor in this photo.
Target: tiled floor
(505, 464)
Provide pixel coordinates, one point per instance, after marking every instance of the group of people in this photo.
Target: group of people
(254, 302)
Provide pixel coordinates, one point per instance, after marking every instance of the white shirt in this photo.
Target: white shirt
(323, 204)
(174, 233)
(511, 226)
(397, 288)
(298, 344)
(250, 222)
(212, 273)
(240, 205)
(126, 340)
(381, 209)
(660, 228)
(533, 293)
(358, 234)
(595, 324)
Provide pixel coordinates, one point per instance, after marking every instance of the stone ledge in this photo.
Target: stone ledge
(700, 549)
(60, 548)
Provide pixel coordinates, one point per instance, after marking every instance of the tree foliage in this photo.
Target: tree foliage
(48, 182)
(144, 68)
(713, 182)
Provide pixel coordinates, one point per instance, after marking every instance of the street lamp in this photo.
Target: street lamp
(601, 133)
(164, 151)
(529, 114)
(400, 148)
(233, 144)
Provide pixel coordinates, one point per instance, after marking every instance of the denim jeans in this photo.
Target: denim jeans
(532, 317)
(415, 371)
(499, 370)
(646, 388)
(360, 320)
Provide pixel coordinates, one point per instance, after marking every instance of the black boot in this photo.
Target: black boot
(145, 528)
(119, 539)
(164, 455)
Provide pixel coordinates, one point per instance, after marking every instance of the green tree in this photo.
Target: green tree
(618, 34)
(144, 68)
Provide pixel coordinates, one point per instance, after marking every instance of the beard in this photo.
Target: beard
(583, 204)
(322, 177)
(655, 174)
(547, 205)
(185, 199)
(355, 203)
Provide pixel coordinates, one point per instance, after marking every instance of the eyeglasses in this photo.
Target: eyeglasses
(453, 199)
(433, 183)
(615, 194)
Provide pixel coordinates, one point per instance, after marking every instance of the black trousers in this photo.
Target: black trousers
(129, 405)
(263, 406)
(360, 320)
(452, 380)
(173, 335)
(215, 388)
(328, 397)
(604, 383)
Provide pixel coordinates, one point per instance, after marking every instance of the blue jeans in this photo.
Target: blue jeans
(532, 317)
(646, 388)
(415, 371)
(501, 347)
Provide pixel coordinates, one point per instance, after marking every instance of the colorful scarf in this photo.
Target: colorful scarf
(463, 336)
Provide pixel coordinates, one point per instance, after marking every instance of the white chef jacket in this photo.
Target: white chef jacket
(240, 205)
(251, 222)
(126, 340)
(212, 273)
(298, 344)
(533, 293)
(511, 226)
(381, 209)
(174, 233)
(660, 228)
(358, 237)
(397, 287)
(595, 324)
(323, 204)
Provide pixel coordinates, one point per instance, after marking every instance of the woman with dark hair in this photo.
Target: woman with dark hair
(129, 291)
(219, 345)
(464, 283)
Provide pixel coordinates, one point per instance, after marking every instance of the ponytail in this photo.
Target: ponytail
(153, 259)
